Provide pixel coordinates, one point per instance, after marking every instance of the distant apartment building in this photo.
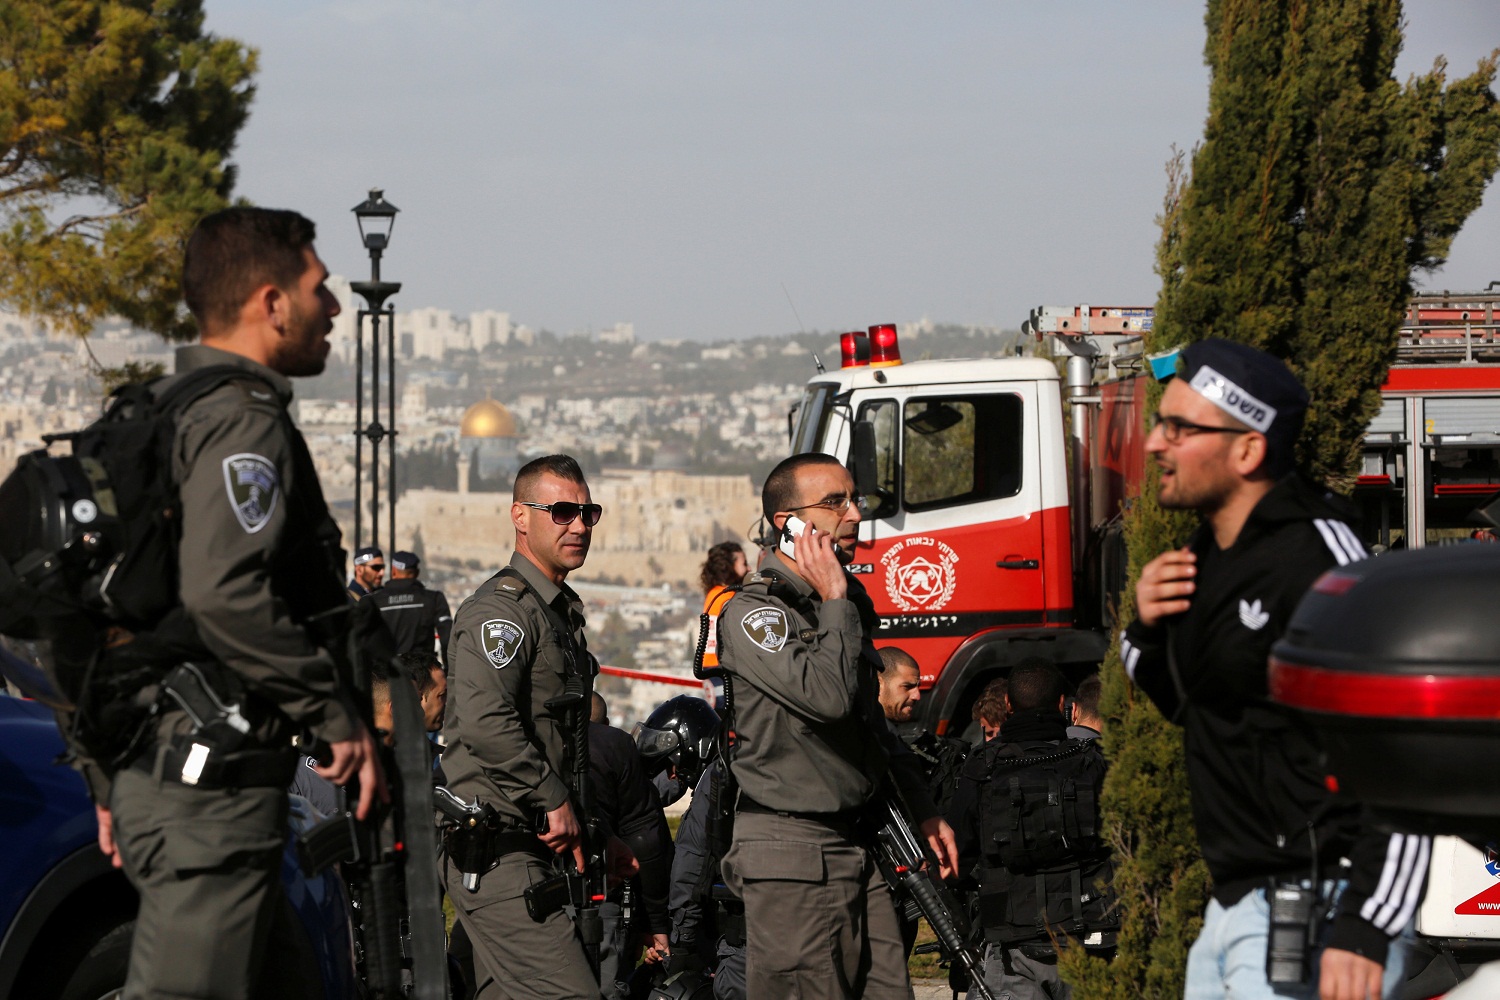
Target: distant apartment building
(430, 333)
(620, 333)
(489, 327)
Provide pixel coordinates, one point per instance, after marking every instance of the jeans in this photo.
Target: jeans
(1228, 961)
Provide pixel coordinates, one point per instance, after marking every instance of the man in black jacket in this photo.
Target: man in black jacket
(1207, 616)
(413, 613)
(1026, 815)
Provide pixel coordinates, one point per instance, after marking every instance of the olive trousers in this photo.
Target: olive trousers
(214, 923)
(515, 957)
(819, 920)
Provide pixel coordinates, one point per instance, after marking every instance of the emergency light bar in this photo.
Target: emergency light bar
(854, 350)
(884, 351)
(877, 349)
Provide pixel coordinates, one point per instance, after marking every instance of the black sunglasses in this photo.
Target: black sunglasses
(564, 511)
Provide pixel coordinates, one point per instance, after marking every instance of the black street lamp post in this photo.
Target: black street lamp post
(376, 218)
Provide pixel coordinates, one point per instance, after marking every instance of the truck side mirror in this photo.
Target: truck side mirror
(862, 467)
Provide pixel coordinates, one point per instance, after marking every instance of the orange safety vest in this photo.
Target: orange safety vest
(713, 604)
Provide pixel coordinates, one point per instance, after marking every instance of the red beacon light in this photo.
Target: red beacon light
(884, 351)
(854, 350)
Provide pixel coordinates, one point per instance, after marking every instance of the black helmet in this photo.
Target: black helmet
(681, 732)
(686, 985)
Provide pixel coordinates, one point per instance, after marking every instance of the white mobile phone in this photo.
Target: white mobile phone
(794, 527)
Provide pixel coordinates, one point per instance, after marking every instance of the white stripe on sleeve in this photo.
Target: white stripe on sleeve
(1402, 865)
(1413, 889)
(1351, 540)
(1332, 540)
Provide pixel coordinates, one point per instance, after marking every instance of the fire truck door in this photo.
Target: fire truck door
(955, 545)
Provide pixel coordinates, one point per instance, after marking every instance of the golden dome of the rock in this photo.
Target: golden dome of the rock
(487, 419)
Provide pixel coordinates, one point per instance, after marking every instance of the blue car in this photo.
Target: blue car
(66, 915)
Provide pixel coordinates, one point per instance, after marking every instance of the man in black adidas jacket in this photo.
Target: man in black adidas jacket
(1208, 615)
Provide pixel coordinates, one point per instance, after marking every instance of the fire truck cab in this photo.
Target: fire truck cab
(967, 551)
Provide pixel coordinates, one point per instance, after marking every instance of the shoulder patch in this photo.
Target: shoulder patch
(501, 640)
(253, 485)
(766, 627)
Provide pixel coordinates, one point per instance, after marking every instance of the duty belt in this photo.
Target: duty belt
(199, 766)
(850, 822)
(476, 851)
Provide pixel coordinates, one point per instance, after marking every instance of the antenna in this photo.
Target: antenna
(816, 360)
(794, 307)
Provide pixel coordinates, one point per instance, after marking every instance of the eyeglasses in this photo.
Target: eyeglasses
(1174, 429)
(377, 567)
(565, 511)
(840, 504)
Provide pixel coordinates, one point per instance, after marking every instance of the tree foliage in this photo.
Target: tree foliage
(1160, 880)
(117, 118)
(1322, 184)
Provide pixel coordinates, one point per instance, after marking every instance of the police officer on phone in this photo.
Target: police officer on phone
(517, 643)
(811, 754)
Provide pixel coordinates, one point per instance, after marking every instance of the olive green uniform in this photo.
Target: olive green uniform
(507, 658)
(811, 748)
(259, 554)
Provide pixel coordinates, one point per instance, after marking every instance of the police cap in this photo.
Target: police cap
(1254, 388)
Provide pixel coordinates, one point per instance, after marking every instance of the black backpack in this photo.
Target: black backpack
(1039, 807)
(88, 555)
(1045, 868)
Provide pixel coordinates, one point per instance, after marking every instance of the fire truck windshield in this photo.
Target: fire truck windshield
(812, 418)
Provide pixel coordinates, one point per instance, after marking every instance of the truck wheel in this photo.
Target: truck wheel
(101, 974)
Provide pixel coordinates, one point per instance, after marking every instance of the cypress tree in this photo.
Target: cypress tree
(1321, 185)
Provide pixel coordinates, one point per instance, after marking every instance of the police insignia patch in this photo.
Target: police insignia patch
(253, 486)
(501, 640)
(766, 627)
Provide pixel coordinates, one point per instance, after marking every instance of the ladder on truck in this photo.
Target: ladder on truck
(1451, 327)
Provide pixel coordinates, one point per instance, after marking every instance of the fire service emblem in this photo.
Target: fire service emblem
(919, 573)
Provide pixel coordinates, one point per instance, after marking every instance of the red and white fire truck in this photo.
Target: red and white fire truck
(999, 483)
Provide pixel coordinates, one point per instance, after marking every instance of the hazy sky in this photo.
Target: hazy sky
(675, 164)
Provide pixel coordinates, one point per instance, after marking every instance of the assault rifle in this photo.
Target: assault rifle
(908, 867)
(586, 887)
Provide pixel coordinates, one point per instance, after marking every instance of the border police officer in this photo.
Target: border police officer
(197, 823)
(516, 644)
(812, 749)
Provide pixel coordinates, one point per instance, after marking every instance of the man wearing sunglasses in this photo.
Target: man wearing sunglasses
(1207, 616)
(812, 752)
(369, 571)
(516, 643)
